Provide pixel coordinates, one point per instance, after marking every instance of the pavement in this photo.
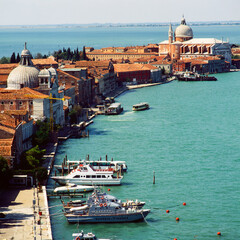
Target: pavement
(22, 221)
(26, 209)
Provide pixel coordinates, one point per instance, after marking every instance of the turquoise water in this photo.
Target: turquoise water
(47, 40)
(190, 138)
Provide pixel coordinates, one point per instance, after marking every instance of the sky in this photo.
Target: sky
(47, 12)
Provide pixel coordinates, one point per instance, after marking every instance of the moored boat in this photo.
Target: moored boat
(192, 76)
(73, 188)
(86, 175)
(140, 106)
(99, 209)
(86, 236)
(98, 164)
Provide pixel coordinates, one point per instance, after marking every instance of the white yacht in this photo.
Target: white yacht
(86, 175)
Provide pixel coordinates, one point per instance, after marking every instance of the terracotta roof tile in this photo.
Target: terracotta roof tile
(24, 93)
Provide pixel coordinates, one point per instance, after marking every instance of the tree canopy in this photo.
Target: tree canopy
(5, 172)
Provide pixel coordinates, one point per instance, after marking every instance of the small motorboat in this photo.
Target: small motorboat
(73, 188)
(140, 106)
(86, 236)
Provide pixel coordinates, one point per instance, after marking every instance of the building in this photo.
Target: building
(182, 45)
(122, 53)
(16, 130)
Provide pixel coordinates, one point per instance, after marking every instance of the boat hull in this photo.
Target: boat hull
(73, 190)
(107, 182)
(130, 217)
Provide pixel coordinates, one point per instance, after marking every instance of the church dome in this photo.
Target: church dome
(25, 75)
(184, 31)
(44, 73)
(53, 71)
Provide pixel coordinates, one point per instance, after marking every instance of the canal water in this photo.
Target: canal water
(190, 138)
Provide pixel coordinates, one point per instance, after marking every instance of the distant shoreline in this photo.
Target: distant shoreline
(116, 25)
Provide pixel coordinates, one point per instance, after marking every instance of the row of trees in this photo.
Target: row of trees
(66, 54)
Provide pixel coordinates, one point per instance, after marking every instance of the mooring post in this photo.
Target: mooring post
(106, 157)
(153, 177)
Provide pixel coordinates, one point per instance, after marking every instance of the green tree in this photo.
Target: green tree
(84, 53)
(5, 172)
(18, 58)
(73, 116)
(41, 137)
(41, 174)
(13, 58)
(4, 60)
(32, 158)
(38, 56)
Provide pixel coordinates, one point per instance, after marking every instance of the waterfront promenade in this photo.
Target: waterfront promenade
(26, 209)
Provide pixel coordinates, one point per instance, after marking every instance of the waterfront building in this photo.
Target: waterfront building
(16, 130)
(181, 44)
(121, 53)
(137, 73)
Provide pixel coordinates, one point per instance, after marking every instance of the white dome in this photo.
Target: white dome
(44, 73)
(23, 76)
(53, 71)
(183, 31)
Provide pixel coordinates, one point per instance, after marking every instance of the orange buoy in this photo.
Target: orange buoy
(177, 219)
(175, 239)
(184, 204)
(109, 189)
(219, 234)
(167, 211)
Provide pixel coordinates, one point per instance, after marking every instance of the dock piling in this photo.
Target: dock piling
(153, 177)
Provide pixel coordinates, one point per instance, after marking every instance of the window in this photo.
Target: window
(103, 176)
(98, 176)
(11, 103)
(2, 103)
(20, 103)
(77, 176)
(93, 176)
(31, 103)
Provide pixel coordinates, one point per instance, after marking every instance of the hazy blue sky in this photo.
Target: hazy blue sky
(32, 12)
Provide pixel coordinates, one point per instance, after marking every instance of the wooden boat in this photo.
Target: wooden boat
(140, 106)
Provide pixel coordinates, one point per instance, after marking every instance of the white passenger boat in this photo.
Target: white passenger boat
(73, 188)
(86, 175)
(140, 106)
(114, 165)
(86, 236)
(114, 109)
